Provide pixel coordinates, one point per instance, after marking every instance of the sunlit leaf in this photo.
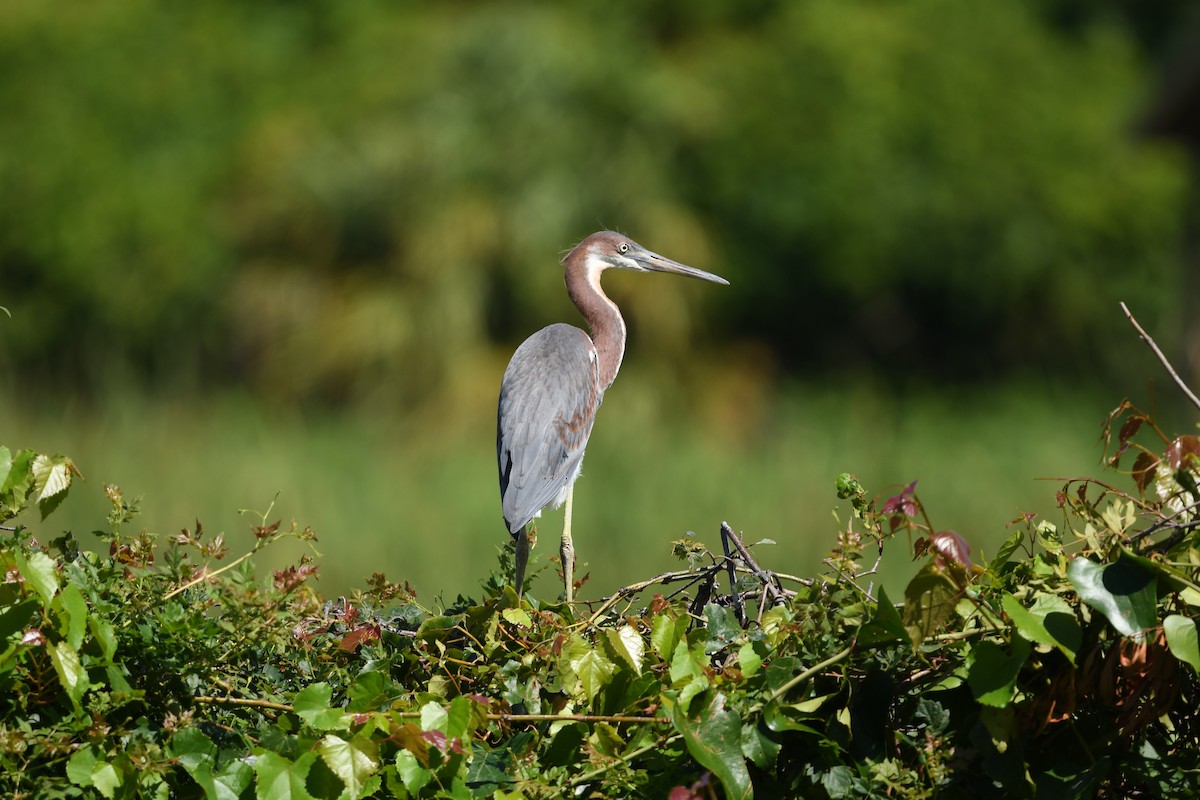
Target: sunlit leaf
(749, 660)
(666, 631)
(38, 570)
(51, 479)
(434, 717)
(1050, 621)
(517, 616)
(593, 671)
(412, 773)
(71, 673)
(1182, 639)
(628, 645)
(282, 779)
(353, 760)
(74, 608)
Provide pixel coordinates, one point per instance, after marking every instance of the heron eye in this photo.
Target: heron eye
(623, 247)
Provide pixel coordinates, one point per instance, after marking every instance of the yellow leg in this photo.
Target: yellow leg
(567, 550)
(522, 559)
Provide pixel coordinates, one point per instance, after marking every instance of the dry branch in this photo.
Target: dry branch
(1162, 358)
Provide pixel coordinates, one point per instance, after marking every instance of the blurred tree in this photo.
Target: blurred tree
(354, 201)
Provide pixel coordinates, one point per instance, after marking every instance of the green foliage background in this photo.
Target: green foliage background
(360, 200)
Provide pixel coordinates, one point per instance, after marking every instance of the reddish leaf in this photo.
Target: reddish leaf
(1183, 450)
(435, 738)
(950, 547)
(413, 740)
(352, 640)
(288, 579)
(1143, 469)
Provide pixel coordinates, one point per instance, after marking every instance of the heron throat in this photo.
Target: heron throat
(603, 317)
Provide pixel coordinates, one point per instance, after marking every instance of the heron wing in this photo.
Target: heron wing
(548, 401)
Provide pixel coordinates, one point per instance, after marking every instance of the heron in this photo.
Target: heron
(553, 386)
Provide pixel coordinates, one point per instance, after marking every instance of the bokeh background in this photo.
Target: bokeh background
(282, 251)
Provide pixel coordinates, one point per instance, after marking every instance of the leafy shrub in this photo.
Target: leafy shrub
(1065, 665)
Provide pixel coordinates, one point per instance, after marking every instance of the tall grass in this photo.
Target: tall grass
(418, 500)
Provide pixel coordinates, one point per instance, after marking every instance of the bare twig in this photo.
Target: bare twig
(770, 585)
(667, 577)
(739, 609)
(1162, 358)
(252, 702)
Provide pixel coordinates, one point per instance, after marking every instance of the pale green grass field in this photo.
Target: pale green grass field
(418, 499)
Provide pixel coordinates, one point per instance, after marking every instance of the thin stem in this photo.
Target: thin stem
(1162, 358)
(811, 671)
(587, 776)
(252, 702)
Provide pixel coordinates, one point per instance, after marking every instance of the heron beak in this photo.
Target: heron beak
(653, 262)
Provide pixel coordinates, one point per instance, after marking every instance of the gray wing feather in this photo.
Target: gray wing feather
(548, 401)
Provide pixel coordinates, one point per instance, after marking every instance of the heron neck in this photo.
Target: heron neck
(603, 318)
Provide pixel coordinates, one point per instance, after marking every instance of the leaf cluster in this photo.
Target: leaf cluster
(1064, 665)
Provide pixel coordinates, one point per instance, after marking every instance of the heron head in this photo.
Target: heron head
(611, 250)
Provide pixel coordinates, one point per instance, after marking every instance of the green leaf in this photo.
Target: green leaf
(412, 774)
(1010, 546)
(51, 479)
(666, 631)
(517, 616)
(992, 671)
(312, 704)
(71, 674)
(281, 779)
(14, 618)
(437, 627)
(628, 645)
(1050, 621)
(458, 717)
(1182, 639)
(18, 479)
(885, 624)
(758, 747)
(84, 768)
(229, 784)
(106, 779)
(722, 627)
(80, 766)
(434, 717)
(70, 601)
(1123, 591)
(748, 659)
(929, 601)
(192, 748)
(593, 671)
(371, 691)
(714, 738)
(38, 571)
(354, 760)
(105, 634)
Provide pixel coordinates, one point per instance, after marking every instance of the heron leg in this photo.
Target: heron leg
(567, 550)
(522, 552)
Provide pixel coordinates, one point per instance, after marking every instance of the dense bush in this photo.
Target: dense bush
(1065, 665)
